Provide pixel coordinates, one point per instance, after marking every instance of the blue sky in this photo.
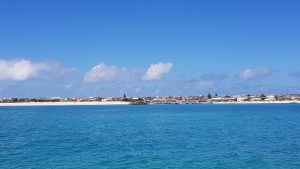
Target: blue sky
(106, 48)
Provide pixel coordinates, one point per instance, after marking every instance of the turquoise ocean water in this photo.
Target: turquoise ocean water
(152, 136)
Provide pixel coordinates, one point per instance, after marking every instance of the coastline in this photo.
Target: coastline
(94, 103)
(259, 102)
(105, 103)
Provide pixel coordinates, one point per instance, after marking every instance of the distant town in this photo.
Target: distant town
(201, 99)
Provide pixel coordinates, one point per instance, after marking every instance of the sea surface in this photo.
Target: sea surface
(151, 136)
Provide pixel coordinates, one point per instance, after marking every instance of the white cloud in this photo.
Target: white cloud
(21, 69)
(157, 71)
(252, 74)
(101, 73)
(104, 73)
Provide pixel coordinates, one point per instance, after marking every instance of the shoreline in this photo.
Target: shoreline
(107, 103)
(260, 102)
(95, 103)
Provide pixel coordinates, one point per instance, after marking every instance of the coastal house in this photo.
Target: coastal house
(295, 97)
(256, 98)
(92, 99)
(270, 98)
(107, 99)
(218, 99)
(241, 98)
(223, 99)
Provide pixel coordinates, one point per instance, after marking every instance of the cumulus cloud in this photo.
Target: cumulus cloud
(21, 69)
(253, 74)
(104, 73)
(157, 71)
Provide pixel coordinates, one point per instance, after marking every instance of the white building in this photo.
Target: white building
(270, 98)
(240, 99)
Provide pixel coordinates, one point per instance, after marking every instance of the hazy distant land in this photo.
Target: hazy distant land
(96, 103)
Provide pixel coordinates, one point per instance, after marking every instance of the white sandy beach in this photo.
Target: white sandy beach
(126, 103)
(66, 103)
